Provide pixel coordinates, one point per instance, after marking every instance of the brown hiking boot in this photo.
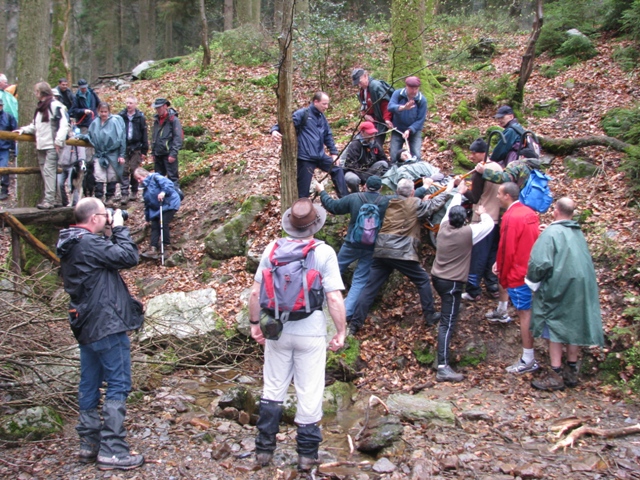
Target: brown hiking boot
(152, 253)
(551, 381)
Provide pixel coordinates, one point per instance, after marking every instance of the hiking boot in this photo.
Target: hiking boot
(88, 453)
(495, 316)
(44, 206)
(306, 463)
(432, 318)
(108, 203)
(124, 200)
(520, 367)
(152, 253)
(446, 374)
(570, 376)
(128, 462)
(263, 459)
(551, 381)
(465, 296)
(352, 329)
(493, 293)
(4, 195)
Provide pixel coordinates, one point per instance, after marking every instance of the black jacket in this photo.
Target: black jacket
(166, 138)
(67, 98)
(80, 104)
(101, 304)
(139, 139)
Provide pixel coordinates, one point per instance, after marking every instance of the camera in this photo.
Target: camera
(111, 212)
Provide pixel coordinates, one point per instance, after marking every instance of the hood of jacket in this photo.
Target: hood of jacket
(68, 238)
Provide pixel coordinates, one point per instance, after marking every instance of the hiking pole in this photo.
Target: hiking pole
(161, 236)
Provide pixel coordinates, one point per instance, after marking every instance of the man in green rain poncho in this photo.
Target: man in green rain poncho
(565, 308)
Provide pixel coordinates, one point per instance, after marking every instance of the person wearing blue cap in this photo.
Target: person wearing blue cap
(352, 251)
(512, 132)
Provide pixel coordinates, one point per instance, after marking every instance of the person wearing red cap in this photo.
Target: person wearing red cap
(409, 109)
(364, 158)
(374, 96)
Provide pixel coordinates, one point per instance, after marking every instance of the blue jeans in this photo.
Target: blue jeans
(397, 143)
(108, 360)
(346, 256)
(4, 162)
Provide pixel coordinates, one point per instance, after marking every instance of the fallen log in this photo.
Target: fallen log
(33, 216)
(21, 170)
(600, 432)
(565, 146)
(17, 137)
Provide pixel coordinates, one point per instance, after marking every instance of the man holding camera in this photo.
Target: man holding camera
(299, 352)
(101, 311)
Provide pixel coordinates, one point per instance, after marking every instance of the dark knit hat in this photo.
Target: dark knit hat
(478, 145)
(374, 183)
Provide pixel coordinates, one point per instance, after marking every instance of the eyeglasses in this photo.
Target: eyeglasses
(102, 214)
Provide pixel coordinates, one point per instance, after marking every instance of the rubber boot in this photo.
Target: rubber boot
(114, 450)
(308, 441)
(88, 428)
(268, 426)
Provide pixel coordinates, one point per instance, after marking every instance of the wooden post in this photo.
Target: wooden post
(20, 229)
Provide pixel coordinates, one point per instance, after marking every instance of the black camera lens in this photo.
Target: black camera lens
(125, 214)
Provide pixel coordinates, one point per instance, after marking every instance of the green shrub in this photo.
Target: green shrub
(558, 66)
(246, 46)
(465, 138)
(623, 123)
(631, 21)
(627, 57)
(613, 14)
(270, 80)
(577, 46)
(563, 15)
(493, 91)
(194, 130)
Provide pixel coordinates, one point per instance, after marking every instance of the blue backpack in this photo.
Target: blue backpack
(368, 223)
(536, 193)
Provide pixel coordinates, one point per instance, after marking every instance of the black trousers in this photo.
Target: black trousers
(450, 293)
(167, 216)
(381, 268)
(483, 256)
(165, 168)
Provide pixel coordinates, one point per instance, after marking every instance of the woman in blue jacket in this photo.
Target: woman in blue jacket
(158, 191)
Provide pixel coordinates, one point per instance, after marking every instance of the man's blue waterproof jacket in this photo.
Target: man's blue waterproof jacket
(412, 119)
(7, 124)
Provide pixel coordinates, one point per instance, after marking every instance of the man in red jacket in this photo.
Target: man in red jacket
(518, 232)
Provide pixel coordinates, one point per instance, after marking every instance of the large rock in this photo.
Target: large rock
(579, 167)
(135, 73)
(33, 424)
(380, 433)
(230, 239)
(180, 314)
(417, 407)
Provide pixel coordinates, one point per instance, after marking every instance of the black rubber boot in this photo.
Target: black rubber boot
(112, 439)
(308, 440)
(88, 428)
(268, 426)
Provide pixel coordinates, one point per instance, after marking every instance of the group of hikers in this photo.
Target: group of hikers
(546, 273)
(119, 146)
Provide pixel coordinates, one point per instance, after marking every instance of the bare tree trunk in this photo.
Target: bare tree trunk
(33, 66)
(11, 39)
(3, 33)
(228, 15)
(243, 12)
(109, 35)
(278, 6)
(168, 37)
(204, 37)
(147, 28)
(526, 67)
(289, 154)
(255, 12)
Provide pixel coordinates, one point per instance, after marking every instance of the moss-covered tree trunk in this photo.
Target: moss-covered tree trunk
(204, 36)
(33, 66)
(228, 14)
(3, 32)
(284, 93)
(59, 65)
(407, 47)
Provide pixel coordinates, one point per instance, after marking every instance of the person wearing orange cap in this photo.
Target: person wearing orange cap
(409, 109)
(364, 158)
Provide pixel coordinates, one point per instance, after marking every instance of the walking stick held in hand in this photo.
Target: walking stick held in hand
(161, 236)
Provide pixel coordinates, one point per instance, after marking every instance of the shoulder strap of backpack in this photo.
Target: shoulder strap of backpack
(303, 120)
(364, 199)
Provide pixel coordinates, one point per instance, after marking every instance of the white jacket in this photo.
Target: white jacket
(44, 132)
